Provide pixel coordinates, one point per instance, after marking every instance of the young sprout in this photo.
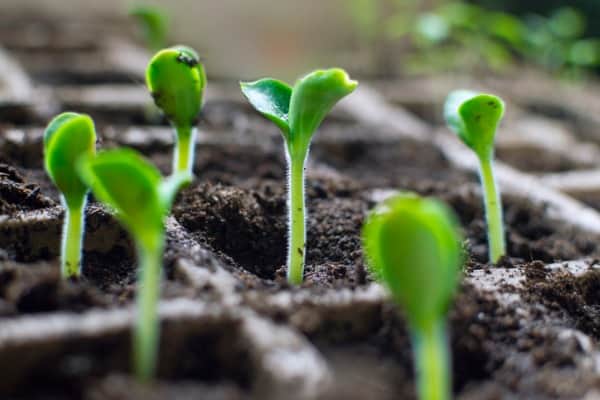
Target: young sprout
(176, 79)
(474, 117)
(298, 112)
(414, 247)
(68, 137)
(133, 188)
(154, 24)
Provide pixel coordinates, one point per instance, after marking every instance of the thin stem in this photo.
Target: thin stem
(297, 221)
(72, 238)
(493, 210)
(146, 337)
(432, 362)
(183, 157)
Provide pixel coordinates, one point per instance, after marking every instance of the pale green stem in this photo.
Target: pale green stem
(493, 210)
(432, 362)
(147, 335)
(183, 157)
(297, 221)
(72, 238)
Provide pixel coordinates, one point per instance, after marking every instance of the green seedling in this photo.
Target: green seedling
(474, 117)
(413, 246)
(68, 137)
(176, 79)
(140, 199)
(298, 112)
(154, 24)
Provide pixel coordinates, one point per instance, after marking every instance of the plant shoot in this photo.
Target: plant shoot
(176, 80)
(133, 188)
(414, 247)
(68, 137)
(474, 117)
(298, 111)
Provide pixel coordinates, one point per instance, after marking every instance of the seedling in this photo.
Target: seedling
(133, 188)
(474, 117)
(154, 24)
(176, 79)
(68, 137)
(298, 112)
(414, 247)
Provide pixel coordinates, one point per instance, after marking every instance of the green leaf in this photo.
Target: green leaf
(567, 22)
(313, 96)
(474, 118)
(506, 27)
(585, 53)
(129, 184)
(68, 137)
(57, 123)
(176, 79)
(371, 234)
(271, 98)
(414, 246)
(154, 24)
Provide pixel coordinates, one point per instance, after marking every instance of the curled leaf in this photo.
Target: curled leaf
(313, 97)
(474, 117)
(413, 245)
(176, 79)
(68, 137)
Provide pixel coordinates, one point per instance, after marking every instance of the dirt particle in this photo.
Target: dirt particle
(187, 59)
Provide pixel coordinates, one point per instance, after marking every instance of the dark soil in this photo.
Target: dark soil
(245, 219)
(17, 195)
(236, 212)
(577, 297)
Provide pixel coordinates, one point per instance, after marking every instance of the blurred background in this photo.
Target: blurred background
(244, 39)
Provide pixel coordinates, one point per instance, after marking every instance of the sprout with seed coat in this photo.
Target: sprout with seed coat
(176, 79)
(474, 117)
(133, 188)
(298, 112)
(68, 137)
(413, 246)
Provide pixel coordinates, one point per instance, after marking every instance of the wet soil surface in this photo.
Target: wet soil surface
(235, 212)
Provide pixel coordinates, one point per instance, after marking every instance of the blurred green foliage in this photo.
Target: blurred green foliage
(451, 35)
(154, 25)
(589, 8)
